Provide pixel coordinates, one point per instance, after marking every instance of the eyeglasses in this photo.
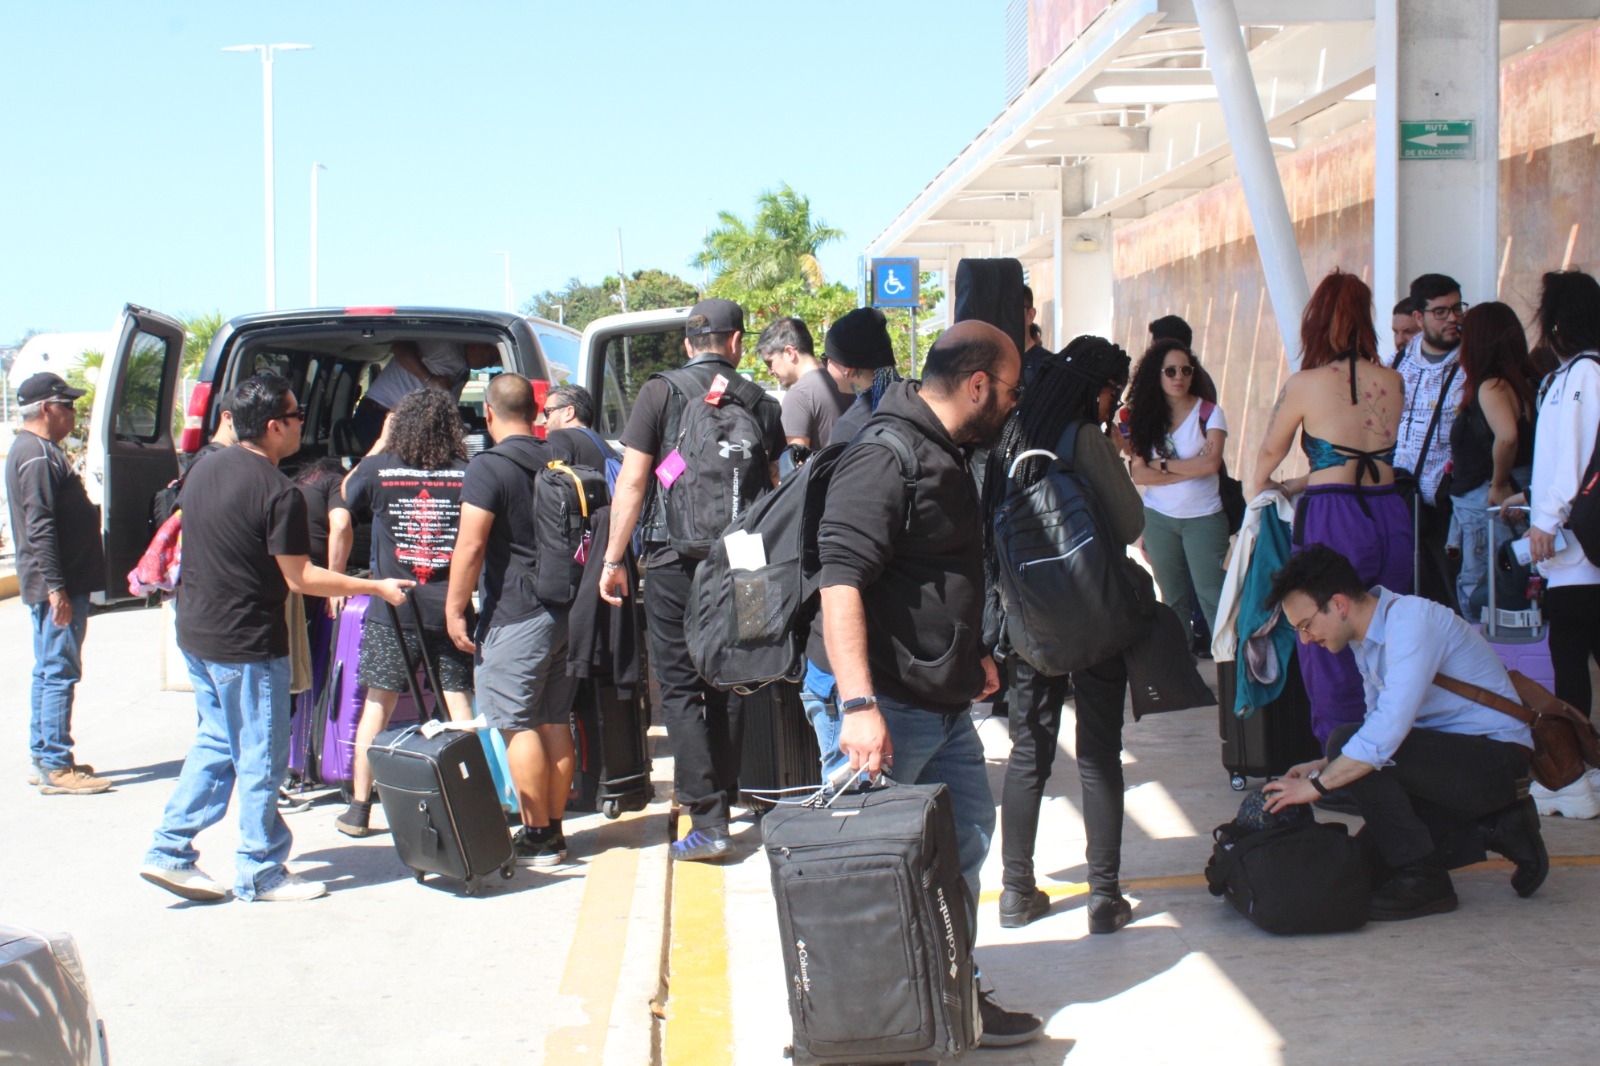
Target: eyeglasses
(1173, 371)
(1441, 313)
(549, 411)
(298, 413)
(1016, 390)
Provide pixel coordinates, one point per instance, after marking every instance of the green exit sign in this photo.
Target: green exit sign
(1437, 140)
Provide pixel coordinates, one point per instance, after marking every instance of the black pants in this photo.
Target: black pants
(1438, 783)
(1573, 612)
(1099, 693)
(1436, 570)
(702, 723)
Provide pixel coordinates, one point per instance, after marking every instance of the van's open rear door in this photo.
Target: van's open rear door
(618, 354)
(131, 449)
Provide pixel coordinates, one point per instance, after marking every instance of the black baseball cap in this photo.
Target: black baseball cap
(46, 386)
(714, 316)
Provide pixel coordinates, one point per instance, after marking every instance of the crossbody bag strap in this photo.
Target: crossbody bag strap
(1478, 694)
(1433, 424)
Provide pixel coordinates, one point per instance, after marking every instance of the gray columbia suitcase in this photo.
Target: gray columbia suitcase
(876, 922)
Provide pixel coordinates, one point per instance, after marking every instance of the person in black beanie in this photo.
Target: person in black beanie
(860, 341)
(854, 348)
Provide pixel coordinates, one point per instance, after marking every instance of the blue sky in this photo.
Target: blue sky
(133, 155)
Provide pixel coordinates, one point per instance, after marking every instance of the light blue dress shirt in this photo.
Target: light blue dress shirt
(1409, 640)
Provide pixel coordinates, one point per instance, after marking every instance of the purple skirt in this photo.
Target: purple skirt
(1371, 526)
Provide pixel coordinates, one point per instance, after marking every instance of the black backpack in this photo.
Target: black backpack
(1072, 597)
(713, 428)
(748, 628)
(565, 499)
(1306, 877)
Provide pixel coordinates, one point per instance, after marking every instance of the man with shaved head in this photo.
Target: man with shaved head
(522, 685)
(901, 547)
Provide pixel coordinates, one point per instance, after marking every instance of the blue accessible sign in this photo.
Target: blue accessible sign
(895, 283)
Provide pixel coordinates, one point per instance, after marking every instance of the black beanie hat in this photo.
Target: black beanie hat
(859, 340)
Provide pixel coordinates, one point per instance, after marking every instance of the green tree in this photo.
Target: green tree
(778, 245)
(579, 303)
(145, 371)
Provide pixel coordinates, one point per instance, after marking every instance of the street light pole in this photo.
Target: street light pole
(510, 303)
(314, 168)
(266, 51)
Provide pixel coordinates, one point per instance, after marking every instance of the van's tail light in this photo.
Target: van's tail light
(369, 310)
(541, 389)
(195, 417)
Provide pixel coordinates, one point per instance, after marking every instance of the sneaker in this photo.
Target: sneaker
(1415, 890)
(539, 847)
(1515, 834)
(290, 803)
(190, 882)
(701, 845)
(73, 781)
(1018, 909)
(34, 773)
(1107, 914)
(1006, 1028)
(353, 821)
(293, 889)
(1577, 800)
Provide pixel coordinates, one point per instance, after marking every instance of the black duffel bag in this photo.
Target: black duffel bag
(1305, 877)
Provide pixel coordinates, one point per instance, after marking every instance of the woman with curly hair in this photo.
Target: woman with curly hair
(1176, 431)
(411, 486)
(1347, 407)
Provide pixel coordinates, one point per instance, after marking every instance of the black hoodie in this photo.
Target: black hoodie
(922, 589)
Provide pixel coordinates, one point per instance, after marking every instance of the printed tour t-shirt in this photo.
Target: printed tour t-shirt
(416, 515)
(239, 512)
(1196, 497)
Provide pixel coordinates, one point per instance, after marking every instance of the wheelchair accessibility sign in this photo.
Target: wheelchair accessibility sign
(895, 283)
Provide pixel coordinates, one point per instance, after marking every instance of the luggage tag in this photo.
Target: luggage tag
(581, 556)
(670, 469)
(719, 386)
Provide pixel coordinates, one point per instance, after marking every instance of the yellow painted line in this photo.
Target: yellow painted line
(600, 940)
(699, 1022)
(1068, 889)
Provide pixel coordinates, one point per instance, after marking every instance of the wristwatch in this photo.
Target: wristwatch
(1322, 789)
(1163, 464)
(858, 704)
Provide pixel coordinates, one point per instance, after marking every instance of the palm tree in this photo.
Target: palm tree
(780, 244)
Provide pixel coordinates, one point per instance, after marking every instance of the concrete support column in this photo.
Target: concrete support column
(1437, 60)
(1083, 266)
(1258, 168)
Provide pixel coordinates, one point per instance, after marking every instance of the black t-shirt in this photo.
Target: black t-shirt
(416, 515)
(498, 485)
(647, 426)
(576, 448)
(322, 495)
(239, 511)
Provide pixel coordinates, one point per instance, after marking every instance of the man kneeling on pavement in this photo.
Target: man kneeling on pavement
(1438, 777)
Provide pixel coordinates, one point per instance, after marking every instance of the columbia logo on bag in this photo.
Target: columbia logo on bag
(949, 937)
(803, 978)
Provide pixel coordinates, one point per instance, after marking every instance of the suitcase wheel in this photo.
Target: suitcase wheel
(611, 809)
(508, 871)
(419, 875)
(1237, 782)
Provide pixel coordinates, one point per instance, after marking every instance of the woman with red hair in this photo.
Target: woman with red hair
(1346, 407)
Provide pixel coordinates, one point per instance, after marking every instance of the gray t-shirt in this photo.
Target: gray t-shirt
(811, 405)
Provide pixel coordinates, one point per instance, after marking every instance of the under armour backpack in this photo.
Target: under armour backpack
(1072, 596)
(565, 500)
(715, 462)
(748, 628)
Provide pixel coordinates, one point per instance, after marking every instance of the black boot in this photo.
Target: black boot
(1413, 891)
(1514, 833)
(353, 822)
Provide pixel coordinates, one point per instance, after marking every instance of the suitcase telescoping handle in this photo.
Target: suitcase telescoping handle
(411, 667)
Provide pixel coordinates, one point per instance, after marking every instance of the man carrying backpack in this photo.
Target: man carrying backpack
(700, 446)
(902, 593)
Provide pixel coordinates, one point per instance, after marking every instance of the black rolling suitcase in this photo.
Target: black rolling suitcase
(779, 752)
(1272, 739)
(875, 920)
(438, 795)
(612, 753)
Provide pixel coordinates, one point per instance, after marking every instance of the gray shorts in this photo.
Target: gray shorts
(522, 680)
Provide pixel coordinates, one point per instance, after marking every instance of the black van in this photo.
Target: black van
(137, 444)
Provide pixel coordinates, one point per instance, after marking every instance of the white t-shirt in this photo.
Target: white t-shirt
(394, 382)
(1196, 497)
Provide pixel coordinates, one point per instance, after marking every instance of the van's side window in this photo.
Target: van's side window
(138, 408)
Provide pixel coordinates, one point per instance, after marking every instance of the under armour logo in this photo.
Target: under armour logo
(728, 447)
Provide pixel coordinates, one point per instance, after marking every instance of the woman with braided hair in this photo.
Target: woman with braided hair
(1081, 387)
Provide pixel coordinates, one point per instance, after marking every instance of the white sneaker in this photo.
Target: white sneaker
(293, 890)
(1592, 775)
(190, 882)
(1577, 800)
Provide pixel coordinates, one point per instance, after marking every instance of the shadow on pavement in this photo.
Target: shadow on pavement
(135, 775)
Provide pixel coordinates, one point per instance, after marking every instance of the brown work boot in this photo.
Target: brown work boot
(72, 781)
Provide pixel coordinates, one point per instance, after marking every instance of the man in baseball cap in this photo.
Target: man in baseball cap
(60, 561)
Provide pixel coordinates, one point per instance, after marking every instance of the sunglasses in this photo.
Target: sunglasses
(297, 414)
(1174, 371)
(548, 411)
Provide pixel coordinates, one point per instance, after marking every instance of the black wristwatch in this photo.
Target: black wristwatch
(1164, 464)
(858, 704)
(1322, 790)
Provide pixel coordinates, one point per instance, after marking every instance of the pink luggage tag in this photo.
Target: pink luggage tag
(719, 385)
(581, 556)
(670, 469)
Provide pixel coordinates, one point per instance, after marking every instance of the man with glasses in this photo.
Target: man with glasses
(1431, 368)
(246, 546)
(567, 417)
(60, 561)
(1439, 776)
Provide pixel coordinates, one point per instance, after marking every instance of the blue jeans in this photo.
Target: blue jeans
(819, 695)
(57, 668)
(242, 735)
(932, 748)
(1471, 517)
